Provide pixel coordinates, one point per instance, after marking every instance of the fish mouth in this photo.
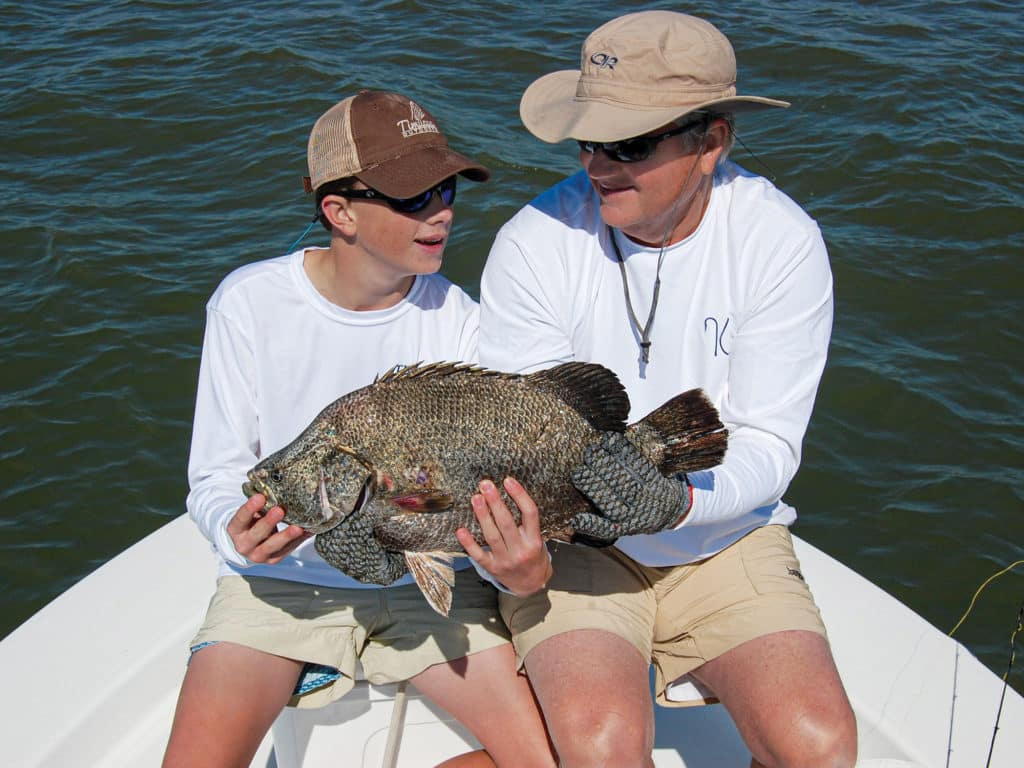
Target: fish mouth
(255, 485)
(329, 516)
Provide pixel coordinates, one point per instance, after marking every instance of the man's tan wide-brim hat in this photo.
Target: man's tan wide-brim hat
(637, 73)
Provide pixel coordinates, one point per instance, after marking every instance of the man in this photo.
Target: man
(677, 269)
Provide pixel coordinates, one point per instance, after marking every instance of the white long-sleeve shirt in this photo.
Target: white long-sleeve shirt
(745, 312)
(275, 353)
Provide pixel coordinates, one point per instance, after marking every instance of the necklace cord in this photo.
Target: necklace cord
(645, 329)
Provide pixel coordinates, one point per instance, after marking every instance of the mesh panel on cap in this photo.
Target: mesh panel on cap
(332, 150)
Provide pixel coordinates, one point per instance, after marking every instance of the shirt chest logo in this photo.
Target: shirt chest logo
(716, 331)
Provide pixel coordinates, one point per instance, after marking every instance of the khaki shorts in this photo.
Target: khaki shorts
(392, 631)
(680, 616)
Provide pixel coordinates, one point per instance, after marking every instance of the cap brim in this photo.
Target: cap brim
(408, 175)
(550, 111)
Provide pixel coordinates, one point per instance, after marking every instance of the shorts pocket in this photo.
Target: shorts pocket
(770, 562)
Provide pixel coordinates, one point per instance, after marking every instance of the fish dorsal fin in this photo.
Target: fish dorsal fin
(422, 370)
(435, 577)
(591, 389)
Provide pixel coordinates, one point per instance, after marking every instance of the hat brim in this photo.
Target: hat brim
(551, 111)
(408, 175)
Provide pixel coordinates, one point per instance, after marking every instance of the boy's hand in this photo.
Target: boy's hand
(255, 533)
(517, 556)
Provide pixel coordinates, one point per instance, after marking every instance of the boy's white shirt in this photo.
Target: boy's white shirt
(745, 312)
(275, 353)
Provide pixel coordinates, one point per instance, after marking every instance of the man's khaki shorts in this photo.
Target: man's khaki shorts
(392, 631)
(680, 616)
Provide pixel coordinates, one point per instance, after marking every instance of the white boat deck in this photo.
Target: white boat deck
(92, 680)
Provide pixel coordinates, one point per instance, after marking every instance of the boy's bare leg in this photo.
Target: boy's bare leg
(484, 693)
(230, 697)
(477, 759)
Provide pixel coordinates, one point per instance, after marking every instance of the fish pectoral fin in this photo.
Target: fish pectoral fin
(429, 500)
(435, 577)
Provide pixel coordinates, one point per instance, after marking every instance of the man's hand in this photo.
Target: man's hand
(255, 535)
(352, 547)
(630, 493)
(517, 556)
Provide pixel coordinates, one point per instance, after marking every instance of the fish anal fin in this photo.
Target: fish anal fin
(429, 500)
(591, 389)
(685, 434)
(434, 576)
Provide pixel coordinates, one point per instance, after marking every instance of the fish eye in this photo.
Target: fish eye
(277, 476)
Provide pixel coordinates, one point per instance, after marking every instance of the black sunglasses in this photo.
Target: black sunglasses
(446, 189)
(639, 148)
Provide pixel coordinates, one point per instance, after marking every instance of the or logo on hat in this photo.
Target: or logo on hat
(604, 60)
(417, 124)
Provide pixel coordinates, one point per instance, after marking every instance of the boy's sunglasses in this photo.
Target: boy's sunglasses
(446, 189)
(639, 148)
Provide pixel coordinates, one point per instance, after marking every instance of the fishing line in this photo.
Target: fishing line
(984, 584)
(1013, 653)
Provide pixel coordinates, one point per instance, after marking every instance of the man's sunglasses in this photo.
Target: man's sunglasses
(639, 148)
(446, 189)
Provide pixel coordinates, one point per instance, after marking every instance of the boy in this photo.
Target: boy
(284, 338)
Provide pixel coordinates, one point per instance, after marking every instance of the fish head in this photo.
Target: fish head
(317, 487)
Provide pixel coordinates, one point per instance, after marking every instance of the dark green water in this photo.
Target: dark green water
(147, 148)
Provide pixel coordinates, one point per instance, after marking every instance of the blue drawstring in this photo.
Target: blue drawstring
(302, 236)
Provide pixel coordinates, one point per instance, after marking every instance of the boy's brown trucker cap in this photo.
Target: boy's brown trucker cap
(388, 142)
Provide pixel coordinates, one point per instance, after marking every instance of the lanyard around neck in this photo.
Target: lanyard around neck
(645, 329)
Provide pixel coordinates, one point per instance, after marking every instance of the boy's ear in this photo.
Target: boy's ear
(339, 213)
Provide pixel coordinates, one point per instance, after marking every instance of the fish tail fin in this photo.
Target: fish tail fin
(435, 577)
(591, 389)
(683, 435)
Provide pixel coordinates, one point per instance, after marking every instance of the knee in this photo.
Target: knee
(598, 740)
(817, 742)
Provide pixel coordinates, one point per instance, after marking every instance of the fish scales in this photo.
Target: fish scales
(409, 451)
(449, 427)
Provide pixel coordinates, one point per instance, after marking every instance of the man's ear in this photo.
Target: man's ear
(714, 145)
(339, 213)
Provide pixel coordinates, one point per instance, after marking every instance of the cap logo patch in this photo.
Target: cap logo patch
(603, 60)
(417, 123)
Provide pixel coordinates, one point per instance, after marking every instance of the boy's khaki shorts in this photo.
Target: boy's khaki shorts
(680, 616)
(392, 631)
